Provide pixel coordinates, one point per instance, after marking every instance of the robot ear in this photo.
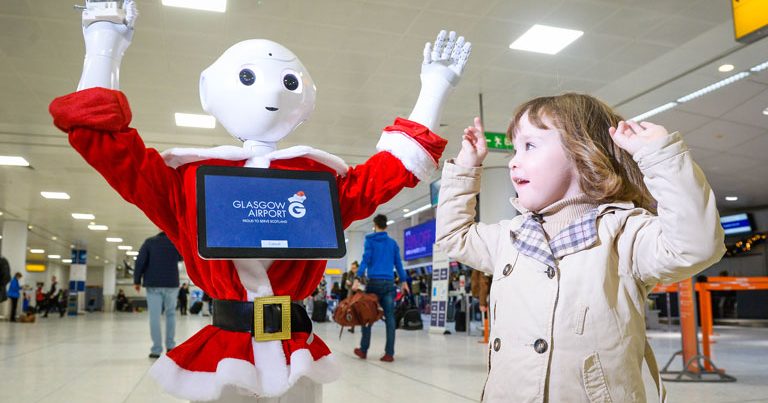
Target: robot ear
(204, 91)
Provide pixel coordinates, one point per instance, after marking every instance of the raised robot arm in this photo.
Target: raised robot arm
(108, 30)
(440, 72)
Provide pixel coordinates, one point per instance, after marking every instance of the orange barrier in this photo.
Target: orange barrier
(705, 303)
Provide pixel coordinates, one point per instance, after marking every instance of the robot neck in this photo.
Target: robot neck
(260, 147)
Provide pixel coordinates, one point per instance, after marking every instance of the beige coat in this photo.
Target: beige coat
(579, 336)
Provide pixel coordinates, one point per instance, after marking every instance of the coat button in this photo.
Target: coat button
(540, 346)
(496, 344)
(507, 269)
(550, 272)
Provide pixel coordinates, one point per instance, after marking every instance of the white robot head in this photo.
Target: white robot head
(258, 90)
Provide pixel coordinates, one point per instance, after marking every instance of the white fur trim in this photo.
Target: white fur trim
(272, 378)
(413, 156)
(253, 277)
(176, 157)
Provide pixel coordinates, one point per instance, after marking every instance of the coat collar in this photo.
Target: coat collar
(530, 239)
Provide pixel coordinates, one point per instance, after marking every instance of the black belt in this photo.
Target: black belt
(271, 312)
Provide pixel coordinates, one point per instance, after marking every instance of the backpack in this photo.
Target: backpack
(359, 309)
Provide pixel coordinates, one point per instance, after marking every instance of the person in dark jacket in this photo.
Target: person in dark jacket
(14, 292)
(157, 265)
(381, 254)
(52, 297)
(5, 278)
(183, 297)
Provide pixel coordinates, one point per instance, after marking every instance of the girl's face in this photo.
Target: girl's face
(540, 170)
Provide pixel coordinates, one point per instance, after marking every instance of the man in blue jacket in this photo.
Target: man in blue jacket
(157, 263)
(381, 254)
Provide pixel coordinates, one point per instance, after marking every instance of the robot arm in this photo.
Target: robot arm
(108, 31)
(440, 72)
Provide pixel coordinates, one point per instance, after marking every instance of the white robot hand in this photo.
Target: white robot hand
(108, 31)
(441, 70)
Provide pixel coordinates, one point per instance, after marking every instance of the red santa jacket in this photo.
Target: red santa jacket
(97, 122)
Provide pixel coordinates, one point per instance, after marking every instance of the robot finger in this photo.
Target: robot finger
(448, 49)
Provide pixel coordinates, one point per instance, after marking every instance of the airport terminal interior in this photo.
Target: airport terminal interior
(81, 213)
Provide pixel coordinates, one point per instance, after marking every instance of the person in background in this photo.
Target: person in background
(183, 298)
(14, 292)
(347, 279)
(157, 265)
(121, 302)
(380, 257)
(5, 278)
(51, 297)
(39, 298)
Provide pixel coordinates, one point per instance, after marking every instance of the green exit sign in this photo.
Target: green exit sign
(498, 142)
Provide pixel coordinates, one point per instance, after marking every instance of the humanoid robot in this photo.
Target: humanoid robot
(260, 92)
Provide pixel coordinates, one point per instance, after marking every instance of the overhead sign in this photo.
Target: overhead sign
(498, 142)
(750, 19)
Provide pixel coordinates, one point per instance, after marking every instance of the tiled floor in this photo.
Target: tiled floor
(103, 358)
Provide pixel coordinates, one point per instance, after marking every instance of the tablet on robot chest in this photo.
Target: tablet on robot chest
(268, 214)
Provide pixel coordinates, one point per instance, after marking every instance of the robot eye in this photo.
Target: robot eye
(247, 77)
(291, 82)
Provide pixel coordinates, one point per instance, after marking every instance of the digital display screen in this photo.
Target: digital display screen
(249, 212)
(434, 192)
(736, 224)
(418, 240)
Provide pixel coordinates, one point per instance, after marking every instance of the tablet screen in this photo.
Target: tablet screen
(266, 213)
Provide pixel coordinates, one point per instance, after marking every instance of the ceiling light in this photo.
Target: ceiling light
(731, 198)
(418, 210)
(545, 39)
(713, 87)
(55, 195)
(13, 160)
(36, 251)
(66, 260)
(81, 216)
(29, 227)
(190, 120)
(218, 6)
(132, 253)
(1, 237)
(405, 210)
(765, 111)
(346, 240)
(54, 238)
(725, 68)
(654, 111)
(125, 247)
(759, 67)
(115, 240)
(134, 258)
(97, 227)
(97, 258)
(54, 256)
(390, 222)
(1, 213)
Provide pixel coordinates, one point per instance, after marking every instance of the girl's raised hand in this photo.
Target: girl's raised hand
(632, 136)
(473, 146)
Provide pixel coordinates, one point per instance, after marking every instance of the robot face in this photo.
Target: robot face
(258, 90)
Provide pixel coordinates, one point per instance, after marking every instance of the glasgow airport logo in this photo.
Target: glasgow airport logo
(296, 209)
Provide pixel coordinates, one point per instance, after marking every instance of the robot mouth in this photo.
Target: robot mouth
(270, 108)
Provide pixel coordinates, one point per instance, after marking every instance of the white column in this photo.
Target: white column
(495, 191)
(110, 276)
(354, 247)
(14, 249)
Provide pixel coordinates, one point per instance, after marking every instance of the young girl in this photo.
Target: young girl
(608, 209)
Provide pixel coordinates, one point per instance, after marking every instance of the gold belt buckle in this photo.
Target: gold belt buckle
(262, 334)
